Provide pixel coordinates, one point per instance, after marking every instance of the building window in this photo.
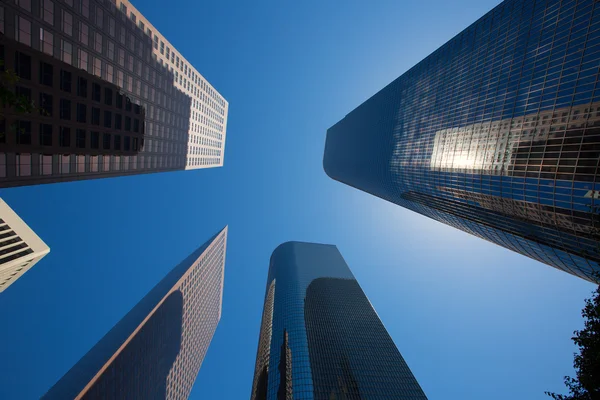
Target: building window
(118, 119)
(83, 60)
(108, 95)
(107, 119)
(136, 125)
(98, 67)
(22, 65)
(99, 17)
(46, 42)
(65, 81)
(117, 142)
(67, 25)
(111, 27)
(127, 123)
(98, 42)
(85, 8)
(127, 104)
(106, 141)
(95, 116)
(109, 73)
(80, 138)
(65, 164)
(46, 73)
(23, 164)
(96, 91)
(133, 17)
(67, 51)
(45, 164)
(81, 113)
(23, 132)
(110, 47)
(64, 137)
(94, 140)
(2, 30)
(141, 26)
(46, 104)
(46, 134)
(80, 163)
(135, 144)
(123, 8)
(119, 102)
(65, 109)
(81, 87)
(26, 4)
(84, 33)
(127, 143)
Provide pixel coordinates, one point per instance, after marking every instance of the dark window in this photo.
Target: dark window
(127, 143)
(65, 81)
(107, 119)
(64, 137)
(106, 141)
(96, 92)
(46, 104)
(46, 134)
(80, 138)
(117, 142)
(119, 102)
(23, 132)
(2, 131)
(127, 123)
(95, 116)
(65, 109)
(82, 87)
(1, 57)
(127, 104)
(135, 144)
(118, 121)
(136, 125)
(108, 94)
(81, 113)
(136, 108)
(94, 140)
(22, 65)
(46, 73)
(23, 92)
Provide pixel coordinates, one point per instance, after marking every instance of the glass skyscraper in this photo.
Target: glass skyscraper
(320, 337)
(156, 350)
(496, 133)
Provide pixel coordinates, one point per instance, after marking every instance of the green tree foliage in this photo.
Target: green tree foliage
(8, 96)
(586, 384)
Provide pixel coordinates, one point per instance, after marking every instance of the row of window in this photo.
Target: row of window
(96, 140)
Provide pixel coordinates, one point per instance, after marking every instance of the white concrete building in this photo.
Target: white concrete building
(20, 247)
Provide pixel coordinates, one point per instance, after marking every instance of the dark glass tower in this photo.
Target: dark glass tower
(320, 337)
(496, 133)
(156, 350)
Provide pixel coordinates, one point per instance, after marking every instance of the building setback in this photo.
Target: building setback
(157, 349)
(20, 247)
(320, 337)
(496, 133)
(113, 96)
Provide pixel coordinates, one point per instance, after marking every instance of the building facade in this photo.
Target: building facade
(20, 247)
(113, 97)
(496, 133)
(320, 337)
(157, 349)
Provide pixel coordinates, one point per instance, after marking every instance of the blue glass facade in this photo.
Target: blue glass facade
(496, 133)
(320, 337)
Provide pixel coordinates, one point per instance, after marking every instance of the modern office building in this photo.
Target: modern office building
(156, 350)
(113, 97)
(320, 337)
(496, 133)
(20, 247)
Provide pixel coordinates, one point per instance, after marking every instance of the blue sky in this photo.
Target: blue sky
(473, 320)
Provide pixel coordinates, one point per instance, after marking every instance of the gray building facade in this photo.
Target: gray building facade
(320, 337)
(496, 133)
(156, 350)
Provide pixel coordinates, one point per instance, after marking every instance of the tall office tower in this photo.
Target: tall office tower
(320, 337)
(20, 247)
(496, 133)
(113, 97)
(156, 350)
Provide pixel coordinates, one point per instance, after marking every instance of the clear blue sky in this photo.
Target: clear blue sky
(473, 320)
